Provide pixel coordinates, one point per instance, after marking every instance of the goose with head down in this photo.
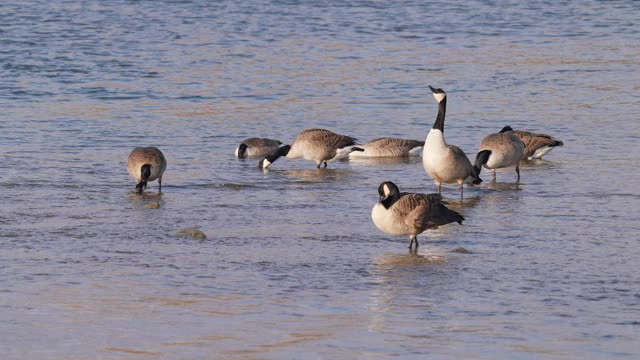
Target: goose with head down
(500, 150)
(257, 147)
(146, 164)
(317, 145)
(389, 147)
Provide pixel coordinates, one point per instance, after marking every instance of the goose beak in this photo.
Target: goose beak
(432, 89)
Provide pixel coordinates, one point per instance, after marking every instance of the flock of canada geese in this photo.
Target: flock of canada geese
(396, 213)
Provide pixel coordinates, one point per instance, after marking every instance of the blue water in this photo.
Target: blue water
(292, 266)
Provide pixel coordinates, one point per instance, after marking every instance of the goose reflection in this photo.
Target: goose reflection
(314, 175)
(384, 160)
(415, 282)
(504, 186)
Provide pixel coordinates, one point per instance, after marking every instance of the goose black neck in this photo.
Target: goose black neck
(442, 109)
(391, 199)
(481, 158)
(282, 151)
(242, 150)
(145, 172)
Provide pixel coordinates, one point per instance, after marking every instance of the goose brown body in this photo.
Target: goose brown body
(500, 150)
(410, 213)
(317, 145)
(257, 147)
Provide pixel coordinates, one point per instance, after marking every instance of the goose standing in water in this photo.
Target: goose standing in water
(536, 145)
(316, 145)
(389, 147)
(146, 164)
(445, 163)
(409, 213)
(257, 147)
(500, 150)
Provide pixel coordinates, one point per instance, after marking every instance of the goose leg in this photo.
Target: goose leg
(461, 190)
(159, 185)
(318, 166)
(325, 164)
(439, 186)
(518, 170)
(410, 242)
(494, 175)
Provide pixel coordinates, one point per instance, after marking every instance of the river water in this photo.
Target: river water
(292, 266)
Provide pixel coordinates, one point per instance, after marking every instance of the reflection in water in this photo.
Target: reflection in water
(504, 186)
(145, 198)
(385, 160)
(459, 204)
(407, 283)
(412, 258)
(314, 175)
(288, 250)
(538, 163)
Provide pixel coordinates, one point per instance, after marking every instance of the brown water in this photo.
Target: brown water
(293, 267)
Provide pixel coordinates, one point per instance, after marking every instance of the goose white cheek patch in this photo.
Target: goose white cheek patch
(439, 97)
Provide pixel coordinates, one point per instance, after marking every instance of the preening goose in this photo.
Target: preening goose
(409, 213)
(389, 147)
(146, 164)
(500, 150)
(536, 145)
(316, 145)
(445, 163)
(257, 147)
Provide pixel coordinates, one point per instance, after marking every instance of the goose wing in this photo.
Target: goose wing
(415, 209)
(261, 142)
(533, 141)
(326, 137)
(394, 142)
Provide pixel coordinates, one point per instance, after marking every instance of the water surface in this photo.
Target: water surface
(293, 267)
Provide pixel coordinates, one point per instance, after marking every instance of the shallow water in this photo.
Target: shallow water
(292, 266)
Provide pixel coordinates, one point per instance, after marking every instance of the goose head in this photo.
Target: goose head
(439, 94)
(389, 193)
(505, 129)
(241, 151)
(282, 151)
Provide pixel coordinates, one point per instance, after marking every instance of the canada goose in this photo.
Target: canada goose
(317, 145)
(146, 164)
(500, 150)
(446, 163)
(409, 213)
(389, 147)
(257, 147)
(536, 145)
